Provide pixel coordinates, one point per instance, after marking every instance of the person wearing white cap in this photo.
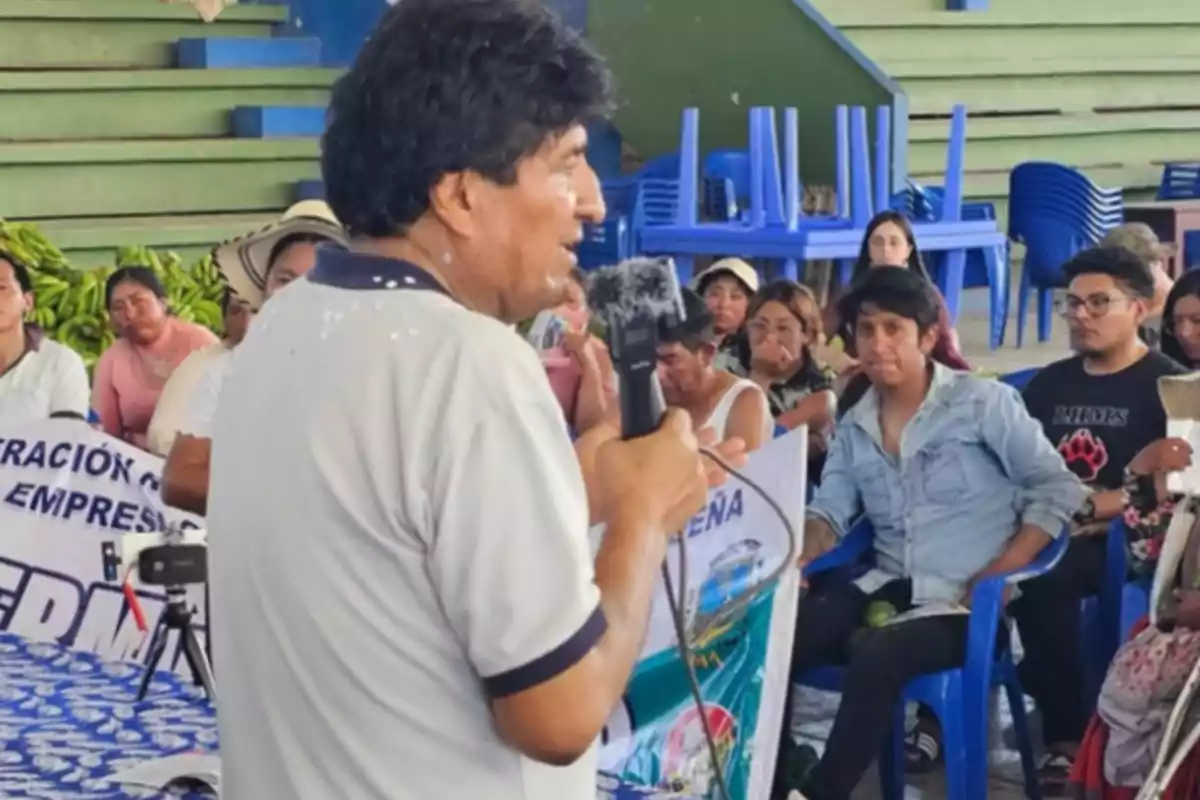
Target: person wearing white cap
(727, 286)
(256, 267)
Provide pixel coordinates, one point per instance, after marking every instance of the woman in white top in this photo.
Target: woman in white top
(176, 396)
(716, 399)
(39, 378)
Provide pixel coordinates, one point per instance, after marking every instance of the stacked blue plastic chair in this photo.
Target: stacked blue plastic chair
(726, 176)
(606, 243)
(986, 266)
(960, 698)
(1180, 182)
(1055, 211)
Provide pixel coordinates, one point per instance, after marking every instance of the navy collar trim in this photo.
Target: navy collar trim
(361, 272)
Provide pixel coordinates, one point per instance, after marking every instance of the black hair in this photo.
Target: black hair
(443, 86)
(900, 221)
(695, 330)
(143, 276)
(898, 291)
(293, 239)
(1122, 265)
(20, 271)
(1188, 285)
(797, 298)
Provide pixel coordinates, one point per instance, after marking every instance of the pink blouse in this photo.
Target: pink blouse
(129, 378)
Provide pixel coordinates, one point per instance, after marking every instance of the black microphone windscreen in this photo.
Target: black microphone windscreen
(638, 288)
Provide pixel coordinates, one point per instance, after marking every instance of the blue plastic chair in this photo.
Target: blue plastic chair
(605, 244)
(1191, 250)
(1107, 618)
(959, 697)
(1180, 182)
(986, 266)
(1021, 378)
(726, 176)
(1055, 212)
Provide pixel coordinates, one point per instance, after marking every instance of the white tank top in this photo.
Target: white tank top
(719, 418)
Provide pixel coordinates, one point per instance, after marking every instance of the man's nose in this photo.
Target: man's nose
(589, 198)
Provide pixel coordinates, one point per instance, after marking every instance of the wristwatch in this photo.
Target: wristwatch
(1086, 512)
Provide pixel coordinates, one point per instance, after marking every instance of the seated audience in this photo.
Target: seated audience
(256, 267)
(784, 322)
(727, 287)
(889, 242)
(39, 378)
(731, 406)
(958, 482)
(172, 403)
(1148, 672)
(1098, 408)
(151, 343)
(1141, 240)
(576, 361)
(1180, 340)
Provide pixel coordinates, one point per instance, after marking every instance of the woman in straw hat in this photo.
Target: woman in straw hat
(256, 267)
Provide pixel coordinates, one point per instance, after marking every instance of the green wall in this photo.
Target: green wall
(726, 57)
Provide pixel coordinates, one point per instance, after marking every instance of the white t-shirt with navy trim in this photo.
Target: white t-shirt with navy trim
(398, 529)
(49, 379)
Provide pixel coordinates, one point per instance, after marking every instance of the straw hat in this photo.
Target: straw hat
(244, 261)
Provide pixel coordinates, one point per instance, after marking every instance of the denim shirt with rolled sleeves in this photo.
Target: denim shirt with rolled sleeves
(973, 467)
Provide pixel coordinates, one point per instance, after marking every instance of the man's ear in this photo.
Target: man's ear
(453, 199)
(707, 353)
(928, 340)
(29, 303)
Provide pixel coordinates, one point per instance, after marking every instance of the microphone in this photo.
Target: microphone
(632, 299)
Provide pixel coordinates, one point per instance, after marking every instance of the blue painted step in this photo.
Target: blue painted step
(268, 122)
(313, 189)
(234, 52)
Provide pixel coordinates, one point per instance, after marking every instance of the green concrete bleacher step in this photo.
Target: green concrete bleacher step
(1049, 84)
(90, 242)
(80, 104)
(997, 143)
(57, 34)
(128, 178)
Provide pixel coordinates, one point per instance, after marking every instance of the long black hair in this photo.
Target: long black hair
(1188, 285)
(900, 221)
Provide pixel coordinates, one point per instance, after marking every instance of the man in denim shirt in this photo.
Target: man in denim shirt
(959, 483)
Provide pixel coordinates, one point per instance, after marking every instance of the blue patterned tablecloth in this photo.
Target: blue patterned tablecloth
(68, 720)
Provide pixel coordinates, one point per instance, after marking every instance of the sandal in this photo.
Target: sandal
(923, 747)
(1054, 773)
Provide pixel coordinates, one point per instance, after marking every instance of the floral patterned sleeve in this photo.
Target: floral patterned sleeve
(1146, 521)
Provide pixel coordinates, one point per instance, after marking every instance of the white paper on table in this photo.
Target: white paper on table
(159, 773)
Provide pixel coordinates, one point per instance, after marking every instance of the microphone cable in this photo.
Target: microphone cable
(677, 605)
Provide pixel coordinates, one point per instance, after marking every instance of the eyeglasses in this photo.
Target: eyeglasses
(1097, 305)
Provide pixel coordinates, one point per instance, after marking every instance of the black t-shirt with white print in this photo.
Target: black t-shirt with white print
(1100, 422)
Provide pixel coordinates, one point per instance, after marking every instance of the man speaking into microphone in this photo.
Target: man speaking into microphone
(404, 603)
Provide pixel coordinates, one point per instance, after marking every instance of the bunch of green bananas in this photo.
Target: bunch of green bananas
(69, 303)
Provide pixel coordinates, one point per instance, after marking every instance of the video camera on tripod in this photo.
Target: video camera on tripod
(173, 559)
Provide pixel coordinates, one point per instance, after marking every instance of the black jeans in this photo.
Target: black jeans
(830, 629)
(1047, 614)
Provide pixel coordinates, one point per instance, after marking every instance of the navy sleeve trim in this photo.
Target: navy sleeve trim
(551, 665)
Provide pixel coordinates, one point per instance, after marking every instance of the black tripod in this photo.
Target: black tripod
(178, 617)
